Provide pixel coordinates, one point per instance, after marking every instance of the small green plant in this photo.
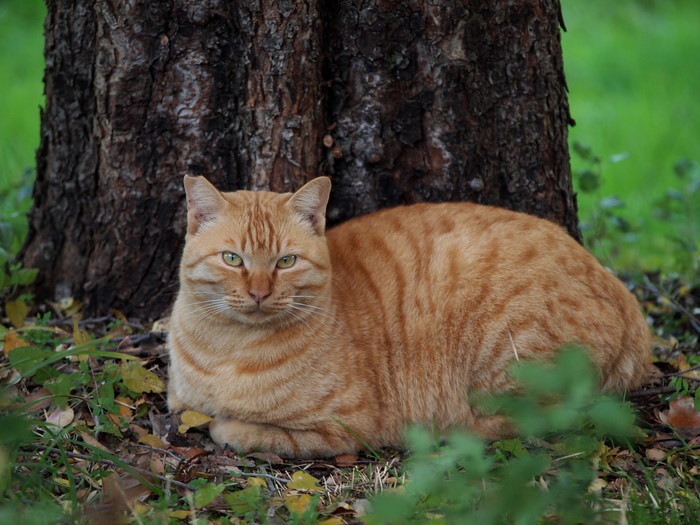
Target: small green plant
(544, 478)
(605, 228)
(15, 203)
(681, 207)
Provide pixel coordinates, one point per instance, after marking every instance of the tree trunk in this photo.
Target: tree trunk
(398, 102)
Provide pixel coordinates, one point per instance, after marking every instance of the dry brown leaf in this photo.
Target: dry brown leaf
(655, 454)
(94, 442)
(682, 416)
(61, 417)
(683, 365)
(12, 340)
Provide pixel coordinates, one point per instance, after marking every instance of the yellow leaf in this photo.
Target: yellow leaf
(192, 419)
(80, 337)
(297, 502)
(304, 481)
(70, 306)
(684, 366)
(152, 441)
(17, 312)
(333, 521)
(597, 485)
(140, 380)
(180, 514)
(256, 482)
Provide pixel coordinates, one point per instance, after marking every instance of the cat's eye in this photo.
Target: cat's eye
(232, 259)
(287, 261)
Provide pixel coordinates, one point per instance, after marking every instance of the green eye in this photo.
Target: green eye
(287, 261)
(232, 259)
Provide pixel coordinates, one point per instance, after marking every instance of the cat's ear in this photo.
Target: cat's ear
(204, 202)
(309, 203)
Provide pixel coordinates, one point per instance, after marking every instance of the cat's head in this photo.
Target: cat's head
(255, 257)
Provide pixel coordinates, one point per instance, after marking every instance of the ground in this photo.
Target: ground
(102, 442)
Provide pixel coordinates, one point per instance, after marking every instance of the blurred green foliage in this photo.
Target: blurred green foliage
(543, 479)
(631, 67)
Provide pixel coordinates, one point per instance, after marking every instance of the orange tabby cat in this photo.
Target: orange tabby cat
(312, 343)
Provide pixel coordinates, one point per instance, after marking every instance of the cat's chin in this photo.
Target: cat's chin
(258, 317)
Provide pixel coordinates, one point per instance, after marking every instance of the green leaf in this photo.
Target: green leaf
(62, 386)
(588, 181)
(27, 358)
(205, 495)
(304, 481)
(137, 379)
(243, 501)
(23, 277)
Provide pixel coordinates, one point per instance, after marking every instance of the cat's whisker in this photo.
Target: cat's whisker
(320, 316)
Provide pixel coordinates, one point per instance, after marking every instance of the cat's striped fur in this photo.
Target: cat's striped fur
(389, 319)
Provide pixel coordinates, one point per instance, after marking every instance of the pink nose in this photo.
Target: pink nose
(259, 295)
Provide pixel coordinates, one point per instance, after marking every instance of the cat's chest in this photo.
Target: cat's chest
(234, 391)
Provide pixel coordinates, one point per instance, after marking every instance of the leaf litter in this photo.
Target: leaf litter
(117, 450)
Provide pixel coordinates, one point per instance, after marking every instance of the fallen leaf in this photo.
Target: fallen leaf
(61, 417)
(304, 481)
(203, 496)
(332, 521)
(123, 491)
(256, 482)
(12, 340)
(94, 442)
(243, 501)
(682, 416)
(181, 514)
(192, 419)
(685, 367)
(139, 380)
(70, 306)
(152, 441)
(655, 454)
(17, 312)
(80, 337)
(298, 503)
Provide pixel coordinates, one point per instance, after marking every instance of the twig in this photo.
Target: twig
(268, 477)
(652, 391)
(691, 369)
(675, 305)
(104, 461)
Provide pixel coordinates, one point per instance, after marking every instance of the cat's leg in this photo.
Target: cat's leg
(493, 427)
(323, 441)
(174, 402)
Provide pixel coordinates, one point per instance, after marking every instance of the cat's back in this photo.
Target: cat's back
(440, 280)
(434, 240)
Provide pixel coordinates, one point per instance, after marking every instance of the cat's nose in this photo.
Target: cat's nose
(259, 295)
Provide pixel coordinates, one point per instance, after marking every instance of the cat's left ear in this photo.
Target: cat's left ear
(309, 203)
(204, 202)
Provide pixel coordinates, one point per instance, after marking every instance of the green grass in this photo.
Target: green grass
(633, 77)
(21, 64)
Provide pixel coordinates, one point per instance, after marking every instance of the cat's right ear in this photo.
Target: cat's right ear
(204, 202)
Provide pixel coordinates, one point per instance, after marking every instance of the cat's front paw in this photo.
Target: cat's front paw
(235, 434)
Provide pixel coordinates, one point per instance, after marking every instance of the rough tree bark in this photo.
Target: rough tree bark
(398, 101)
